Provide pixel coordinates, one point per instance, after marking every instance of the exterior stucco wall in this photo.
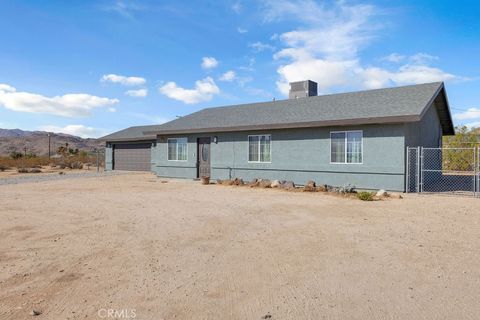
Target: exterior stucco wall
(425, 133)
(298, 155)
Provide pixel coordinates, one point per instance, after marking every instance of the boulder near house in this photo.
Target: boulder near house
(357, 138)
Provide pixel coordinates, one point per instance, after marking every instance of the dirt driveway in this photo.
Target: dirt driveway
(142, 249)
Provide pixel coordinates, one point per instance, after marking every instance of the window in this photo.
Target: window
(259, 149)
(346, 147)
(177, 149)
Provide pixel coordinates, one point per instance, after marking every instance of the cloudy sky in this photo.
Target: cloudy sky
(93, 67)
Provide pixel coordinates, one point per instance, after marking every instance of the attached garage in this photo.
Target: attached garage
(132, 157)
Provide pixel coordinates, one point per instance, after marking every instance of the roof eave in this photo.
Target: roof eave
(345, 122)
(447, 131)
(146, 138)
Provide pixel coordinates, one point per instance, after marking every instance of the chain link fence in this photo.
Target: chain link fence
(443, 170)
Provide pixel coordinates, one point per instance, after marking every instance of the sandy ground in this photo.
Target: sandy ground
(180, 250)
(46, 170)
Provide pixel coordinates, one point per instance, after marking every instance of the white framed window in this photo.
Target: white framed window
(346, 147)
(259, 148)
(177, 149)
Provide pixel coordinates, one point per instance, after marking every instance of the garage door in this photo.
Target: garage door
(132, 157)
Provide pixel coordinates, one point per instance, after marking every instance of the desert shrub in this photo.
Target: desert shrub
(365, 196)
(35, 170)
(16, 155)
(3, 167)
(22, 170)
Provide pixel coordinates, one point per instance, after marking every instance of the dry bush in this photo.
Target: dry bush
(3, 167)
(365, 196)
(24, 162)
(22, 170)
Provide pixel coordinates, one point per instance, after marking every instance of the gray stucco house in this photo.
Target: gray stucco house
(358, 138)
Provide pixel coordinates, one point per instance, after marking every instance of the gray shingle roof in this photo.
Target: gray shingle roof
(390, 105)
(132, 134)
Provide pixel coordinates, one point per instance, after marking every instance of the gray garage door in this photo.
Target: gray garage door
(132, 157)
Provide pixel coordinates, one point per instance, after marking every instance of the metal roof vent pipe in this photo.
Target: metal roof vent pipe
(302, 89)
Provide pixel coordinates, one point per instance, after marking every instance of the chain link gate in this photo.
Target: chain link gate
(443, 170)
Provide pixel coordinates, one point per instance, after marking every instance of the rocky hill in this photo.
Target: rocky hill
(36, 142)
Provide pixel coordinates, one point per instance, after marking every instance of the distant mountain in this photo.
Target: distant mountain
(37, 142)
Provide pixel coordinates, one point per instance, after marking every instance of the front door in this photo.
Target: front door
(203, 156)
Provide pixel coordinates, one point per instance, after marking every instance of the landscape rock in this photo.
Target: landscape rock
(35, 170)
(265, 183)
(346, 189)
(288, 185)
(381, 193)
(253, 183)
(310, 186)
(238, 182)
(227, 182)
(35, 312)
(76, 165)
(275, 184)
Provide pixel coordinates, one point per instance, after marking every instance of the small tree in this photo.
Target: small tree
(458, 159)
(463, 138)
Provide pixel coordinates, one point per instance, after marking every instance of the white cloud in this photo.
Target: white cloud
(68, 105)
(394, 57)
(471, 125)
(260, 46)
(470, 114)
(125, 8)
(73, 129)
(140, 93)
(209, 62)
(241, 30)
(154, 119)
(228, 76)
(123, 80)
(237, 7)
(204, 90)
(325, 72)
(422, 58)
(406, 74)
(112, 109)
(6, 88)
(326, 48)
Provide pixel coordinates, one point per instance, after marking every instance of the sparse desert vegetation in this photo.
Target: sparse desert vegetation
(65, 158)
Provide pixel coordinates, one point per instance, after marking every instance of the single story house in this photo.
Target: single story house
(358, 138)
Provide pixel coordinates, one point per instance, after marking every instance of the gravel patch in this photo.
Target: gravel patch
(52, 177)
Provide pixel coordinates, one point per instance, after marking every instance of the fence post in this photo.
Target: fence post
(474, 170)
(420, 169)
(476, 174)
(407, 176)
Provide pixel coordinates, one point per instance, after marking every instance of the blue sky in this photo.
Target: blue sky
(93, 67)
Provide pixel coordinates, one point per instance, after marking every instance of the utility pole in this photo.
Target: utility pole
(49, 150)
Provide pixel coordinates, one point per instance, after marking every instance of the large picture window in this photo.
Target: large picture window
(259, 148)
(177, 149)
(346, 147)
